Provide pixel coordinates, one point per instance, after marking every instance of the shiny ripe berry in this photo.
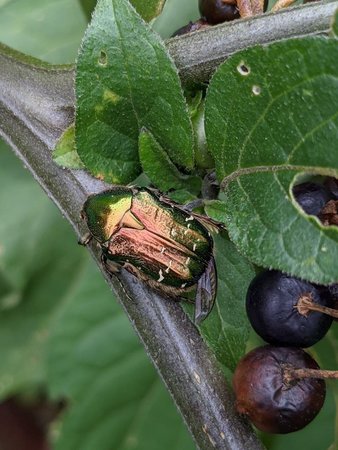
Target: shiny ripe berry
(271, 303)
(312, 197)
(216, 11)
(263, 395)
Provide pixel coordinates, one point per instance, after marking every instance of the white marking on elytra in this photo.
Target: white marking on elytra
(189, 218)
(187, 261)
(173, 232)
(194, 247)
(163, 249)
(161, 276)
(168, 268)
(183, 285)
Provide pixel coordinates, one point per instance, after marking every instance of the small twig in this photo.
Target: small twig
(198, 54)
(290, 374)
(31, 124)
(280, 4)
(249, 8)
(306, 304)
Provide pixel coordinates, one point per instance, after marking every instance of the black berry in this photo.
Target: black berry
(332, 185)
(217, 11)
(312, 197)
(276, 307)
(191, 27)
(272, 402)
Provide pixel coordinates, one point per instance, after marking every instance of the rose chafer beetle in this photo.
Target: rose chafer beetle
(157, 240)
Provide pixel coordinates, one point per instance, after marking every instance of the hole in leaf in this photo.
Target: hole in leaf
(243, 69)
(103, 58)
(319, 200)
(256, 90)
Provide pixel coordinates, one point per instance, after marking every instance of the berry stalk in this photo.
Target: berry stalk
(305, 305)
(290, 374)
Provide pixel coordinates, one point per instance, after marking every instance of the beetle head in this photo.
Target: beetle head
(103, 212)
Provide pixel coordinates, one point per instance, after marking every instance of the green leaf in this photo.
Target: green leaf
(181, 196)
(148, 9)
(51, 30)
(271, 115)
(226, 329)
(334, 28)
(65, 153)
(203, 158)
(117, 399)
(40, 264)
(88, 7)
(126, 81)
(160, 170)
(215, 209)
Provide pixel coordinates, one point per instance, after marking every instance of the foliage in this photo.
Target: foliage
(133, 84)
(286, 125)
(271, 116)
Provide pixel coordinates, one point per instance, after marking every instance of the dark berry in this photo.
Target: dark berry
(333, 289)
(192, 26)
(312, 197)
(329, 214)
(334, 293)
(332, 185)
(217, 11)
(273, 403)
(271, 305)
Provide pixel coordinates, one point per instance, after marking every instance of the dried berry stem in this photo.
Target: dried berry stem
(248, 8)
(305, 305)
(290, 374)
(280, 4)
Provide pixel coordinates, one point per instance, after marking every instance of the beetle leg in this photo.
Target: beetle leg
(206, 292)
(210, 224)
(281, 4)
(85, 239)
(190, 206)
(110, 266)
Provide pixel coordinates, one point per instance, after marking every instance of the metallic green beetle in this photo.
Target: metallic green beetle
(156, 240)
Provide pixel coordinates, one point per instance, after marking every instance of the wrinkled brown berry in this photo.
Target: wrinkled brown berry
(271, 403)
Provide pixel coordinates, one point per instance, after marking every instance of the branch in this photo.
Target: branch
(198, 54)
(37, 104)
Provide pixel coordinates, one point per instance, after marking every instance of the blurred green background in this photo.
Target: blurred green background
(72, 371)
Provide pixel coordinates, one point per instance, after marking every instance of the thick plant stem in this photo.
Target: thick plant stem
(37, 104)
(198, 54)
